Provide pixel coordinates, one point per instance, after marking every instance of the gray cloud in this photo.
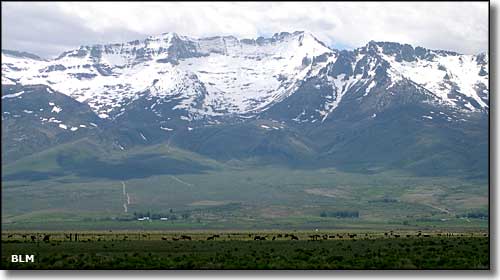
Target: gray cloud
(48, 28)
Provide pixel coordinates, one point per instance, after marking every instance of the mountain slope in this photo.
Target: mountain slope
(288, 99)
(36, 117)
(238, 75)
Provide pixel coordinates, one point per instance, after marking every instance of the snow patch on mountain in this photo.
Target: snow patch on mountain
(442, 75)
(12, 95)
(56, 109)
(7, 81)
(247, 77)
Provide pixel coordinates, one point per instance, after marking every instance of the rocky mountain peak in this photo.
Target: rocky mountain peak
(230, 76)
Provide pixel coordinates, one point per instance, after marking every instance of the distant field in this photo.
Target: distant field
(241, 250)
(241, 196)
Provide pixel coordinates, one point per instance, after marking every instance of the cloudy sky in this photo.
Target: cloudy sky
(47, 29)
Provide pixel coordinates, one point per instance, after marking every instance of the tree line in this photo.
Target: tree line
(340, 214)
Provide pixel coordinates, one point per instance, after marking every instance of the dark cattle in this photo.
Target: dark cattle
(279, 235)
(286, 235)
(210, 238)
(408, 235)
(331, 236)
(216, 235)
(33, 238)
(185, 237)
(294, 237)
(427, 235)
(24, 236)
(314, 237)
(352, 235)
(175, 239)
(274, 237)
(256, 238)
(164, 238)
(397, 235)
(46, 238)
(9, 236)
(385, 233)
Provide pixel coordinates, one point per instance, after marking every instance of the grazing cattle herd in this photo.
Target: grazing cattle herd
(89, 237)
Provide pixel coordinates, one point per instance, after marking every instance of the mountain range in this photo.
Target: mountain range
(285, 100)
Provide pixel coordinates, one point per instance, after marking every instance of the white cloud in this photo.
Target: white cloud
(50, 28)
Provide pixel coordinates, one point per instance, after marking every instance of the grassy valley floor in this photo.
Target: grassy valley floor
(247, 250)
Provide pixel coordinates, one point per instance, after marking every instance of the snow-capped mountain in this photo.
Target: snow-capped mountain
(235, 76)
(220, 76)
(381, 72)
(289, 99)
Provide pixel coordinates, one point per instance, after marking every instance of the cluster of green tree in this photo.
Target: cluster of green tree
(340, 214)
(171, 216)
(475, 215)
(233, 206)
